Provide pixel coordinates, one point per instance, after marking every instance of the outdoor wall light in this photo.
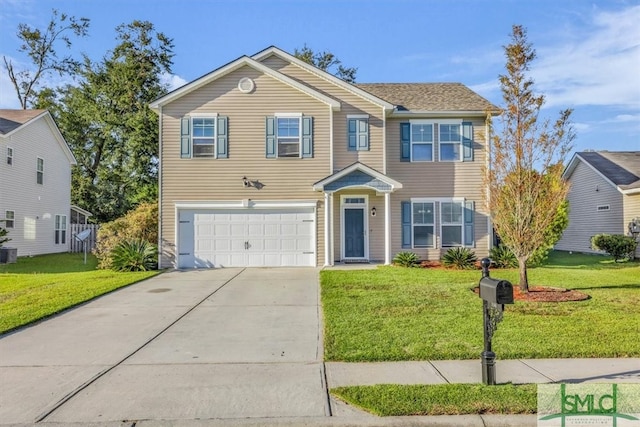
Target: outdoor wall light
(373, 211)
(246, 183)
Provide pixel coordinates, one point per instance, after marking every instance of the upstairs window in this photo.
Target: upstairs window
(454, 137)
(40, 171)
(450, 142)
(9, 155)
(9, 219)
(421, 142)
(203, 136)
(358, 133)
(289, 135)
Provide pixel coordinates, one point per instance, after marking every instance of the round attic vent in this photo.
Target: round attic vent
(246, 85)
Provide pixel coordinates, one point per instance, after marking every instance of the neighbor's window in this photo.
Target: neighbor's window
(61, 230)
(40, 171)
(288, 136)
(9, 217)
(421, 142)
(9, 155)
(450, 142)
(423, 225)
(451, 218)
(203, 136)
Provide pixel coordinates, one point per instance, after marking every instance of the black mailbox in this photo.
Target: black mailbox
(496, 291)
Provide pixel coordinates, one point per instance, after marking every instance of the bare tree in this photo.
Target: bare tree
(524, 179)
(40, 46)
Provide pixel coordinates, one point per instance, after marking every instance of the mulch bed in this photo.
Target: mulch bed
(546, 294)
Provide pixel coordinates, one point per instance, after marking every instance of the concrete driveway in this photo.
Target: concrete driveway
(185, 345)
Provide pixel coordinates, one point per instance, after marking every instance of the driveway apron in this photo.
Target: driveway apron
(202, 344)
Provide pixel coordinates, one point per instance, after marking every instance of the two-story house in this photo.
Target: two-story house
(269, 161)
(35, 182)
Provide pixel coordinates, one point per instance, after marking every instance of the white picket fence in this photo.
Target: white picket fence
(75, 245)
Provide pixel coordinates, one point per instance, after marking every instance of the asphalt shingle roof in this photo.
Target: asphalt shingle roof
(13, 119)
(620, 167)
(428, 96)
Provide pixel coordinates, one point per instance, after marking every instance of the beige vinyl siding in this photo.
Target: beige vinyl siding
(438, 180)
(351, 104)
(206, 179)
(35, 205)
(588, 191)
(631, 211)
(376, 224)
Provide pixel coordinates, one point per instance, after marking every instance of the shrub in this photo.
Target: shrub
(3, 233)
(140, 223)
(405, 259)
(618, 246)
(134, 255)
(502, 257)
(460, 258)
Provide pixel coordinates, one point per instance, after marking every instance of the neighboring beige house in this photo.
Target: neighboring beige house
(604, 196)
(269, 161)
(35, 182)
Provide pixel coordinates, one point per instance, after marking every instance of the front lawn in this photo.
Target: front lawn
(37, 287)
(394, 313)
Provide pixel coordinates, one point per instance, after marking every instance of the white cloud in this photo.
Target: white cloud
(174, 81)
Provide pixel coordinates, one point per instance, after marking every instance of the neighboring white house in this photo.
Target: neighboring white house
(604, 196)
(35, 182)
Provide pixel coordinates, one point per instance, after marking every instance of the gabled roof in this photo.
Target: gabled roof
(234, 65)
(620, 168)
(272, 50)
(358, 175)
(430, 97)
(12, 121)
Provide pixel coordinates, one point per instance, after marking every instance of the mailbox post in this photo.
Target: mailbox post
(494, 293)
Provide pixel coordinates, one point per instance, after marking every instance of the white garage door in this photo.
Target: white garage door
(246, 238)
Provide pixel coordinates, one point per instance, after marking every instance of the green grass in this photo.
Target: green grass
(396, 313)
(441, 399)
(37, 287)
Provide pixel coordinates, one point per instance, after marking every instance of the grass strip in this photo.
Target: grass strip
(441, 399)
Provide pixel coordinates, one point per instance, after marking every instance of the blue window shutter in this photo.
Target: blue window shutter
(406, 224)
(363, 134)
(467, 141)
(469, 210)
(307, 137)
(352, 134)
(405, 142)
(185, 137)
(222, 149)
(271, 137)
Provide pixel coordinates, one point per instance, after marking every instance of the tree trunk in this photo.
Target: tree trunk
(524, 280)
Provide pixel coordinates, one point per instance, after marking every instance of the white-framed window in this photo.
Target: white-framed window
(9, 219)
(451, 223)
(9, 156)
(288, 132)
(423, 224)
(450, 141)
(203, 136)
(61, 230)
(421, 141)
(40, 171)
(603, 208)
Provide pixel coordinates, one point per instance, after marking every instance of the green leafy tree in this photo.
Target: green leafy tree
(41, 46)
(524, 179)
(108, 124)
(326, 61)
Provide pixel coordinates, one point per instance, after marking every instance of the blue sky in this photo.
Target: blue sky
(588, 51)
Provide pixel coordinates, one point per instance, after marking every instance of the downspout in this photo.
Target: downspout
(327, 229)
(487, 161)
(160, 266)
(387, 228)
(384, 141)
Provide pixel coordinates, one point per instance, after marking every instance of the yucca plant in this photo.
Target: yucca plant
(460, 258)
(406, 259)
(502, 257)
(134, 255)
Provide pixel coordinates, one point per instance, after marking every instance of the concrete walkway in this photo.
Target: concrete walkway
(223, 347)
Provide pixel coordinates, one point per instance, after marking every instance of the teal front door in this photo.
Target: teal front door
(354, 233)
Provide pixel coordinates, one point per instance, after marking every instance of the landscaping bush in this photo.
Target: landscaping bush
(140, 223)
(134, 255)
(502, 257)
(460, 258)
(3, 238)
(619, 246)
(405, 259)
